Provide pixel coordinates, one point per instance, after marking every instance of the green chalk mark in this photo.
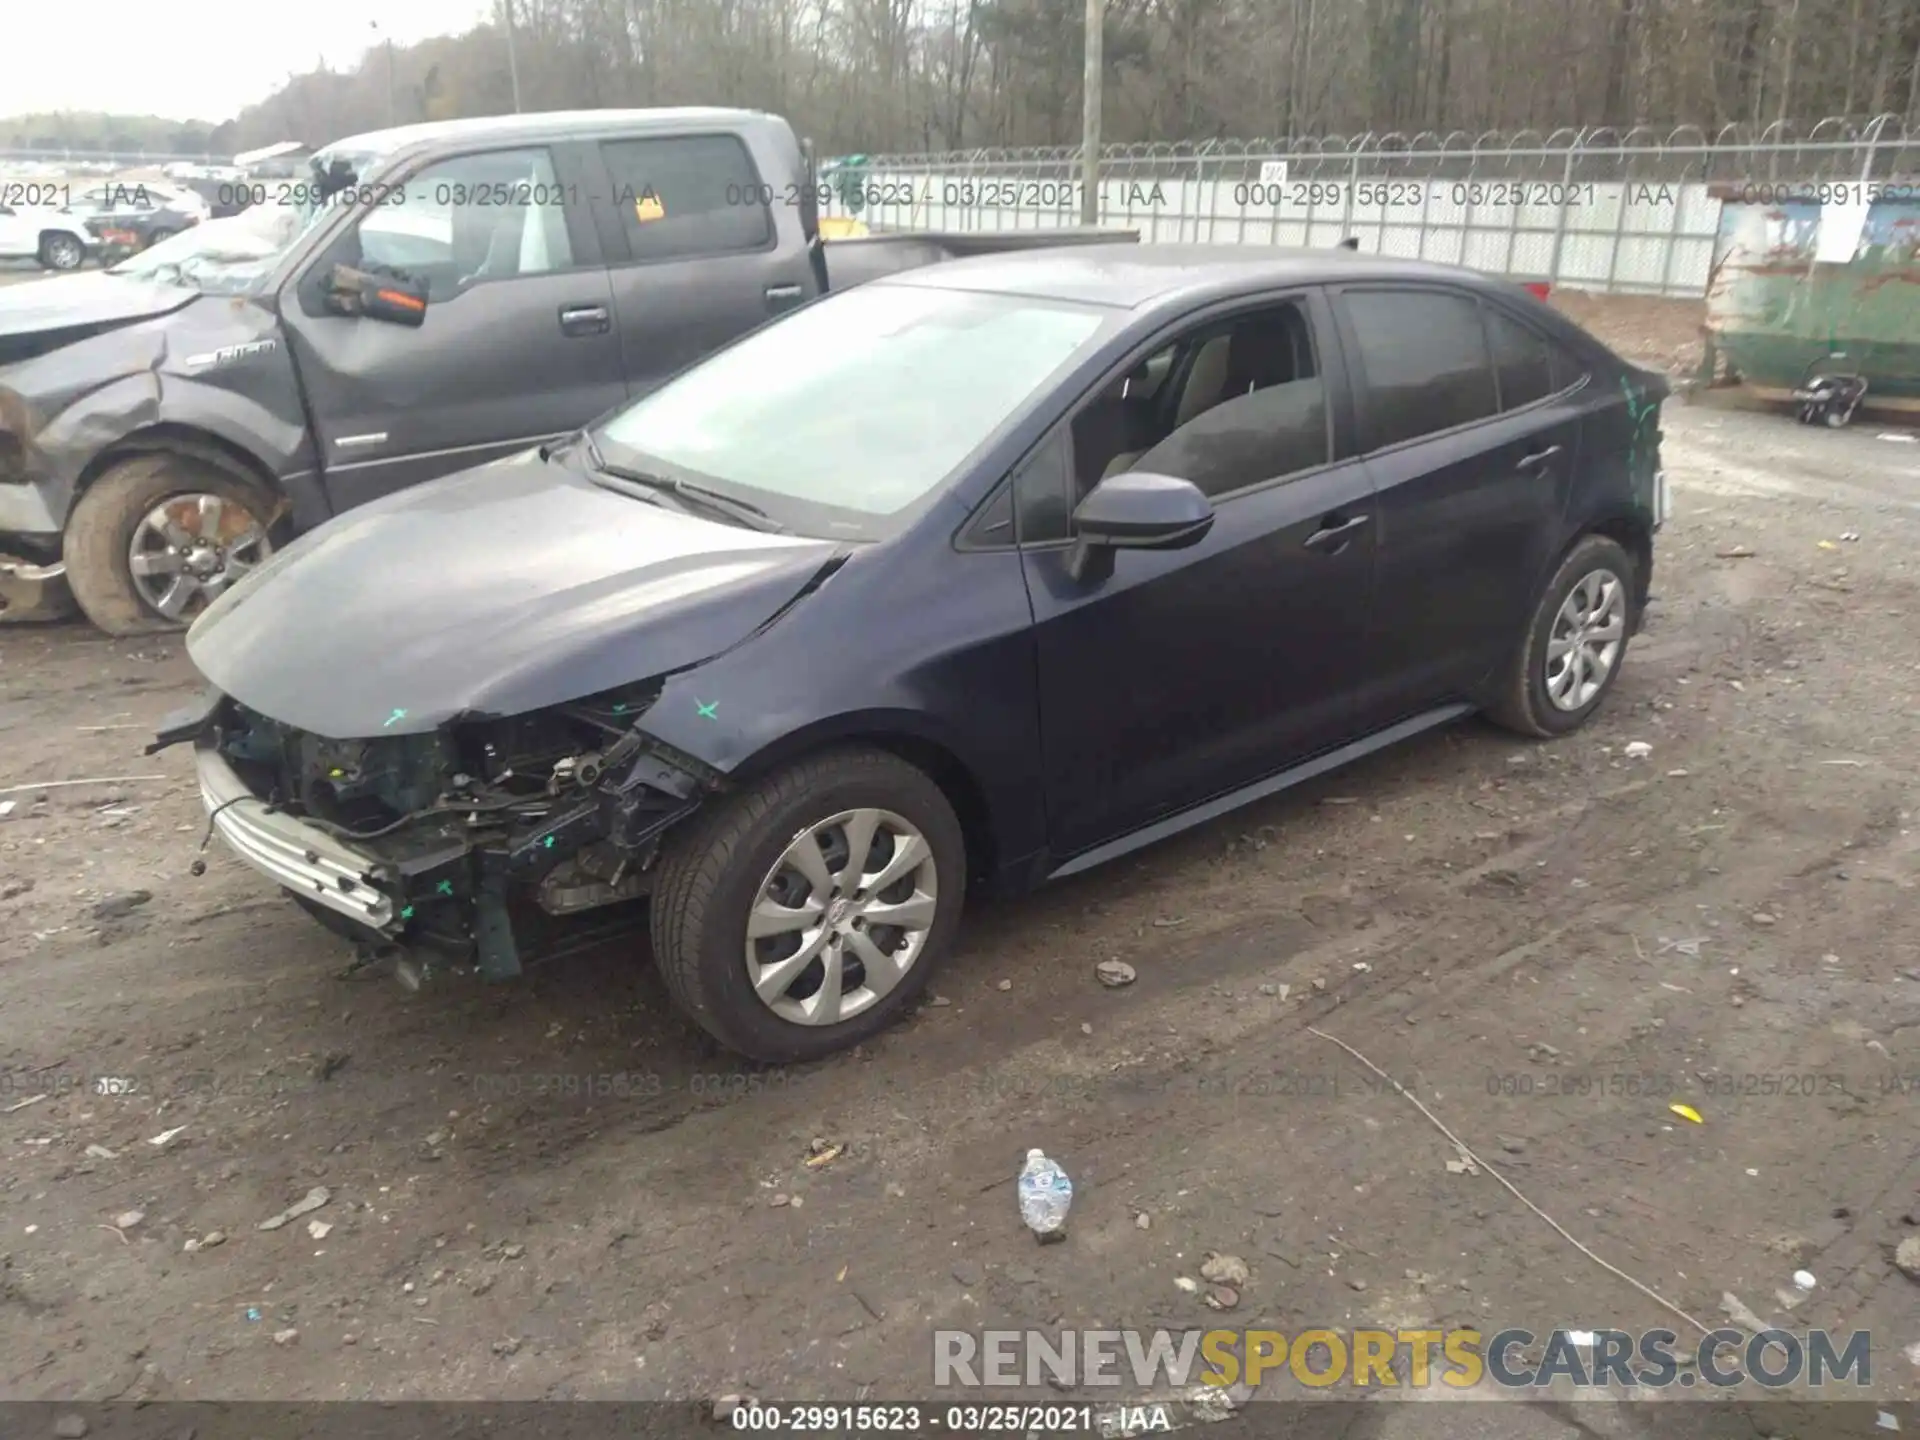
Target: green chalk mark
(407, 914)
(445, 887)
(548, 842)
(397, 715)
(706, 708)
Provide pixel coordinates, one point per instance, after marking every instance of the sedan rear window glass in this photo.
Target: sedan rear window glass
(1521, 359)
(1425, 359)
(858, 405)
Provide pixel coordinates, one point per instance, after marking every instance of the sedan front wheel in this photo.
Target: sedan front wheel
(807, 913)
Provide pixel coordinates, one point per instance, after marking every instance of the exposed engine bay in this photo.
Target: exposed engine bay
(564, 808)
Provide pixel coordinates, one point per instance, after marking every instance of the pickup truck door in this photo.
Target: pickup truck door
(517, 346)
(704, 242)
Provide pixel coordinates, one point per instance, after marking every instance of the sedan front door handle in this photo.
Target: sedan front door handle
(1334, 533)
(583, 320)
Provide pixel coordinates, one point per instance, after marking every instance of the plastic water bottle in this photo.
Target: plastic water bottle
(1045, 1196)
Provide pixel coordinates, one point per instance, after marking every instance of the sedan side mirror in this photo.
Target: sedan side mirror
(1137, 511)
(400, 299)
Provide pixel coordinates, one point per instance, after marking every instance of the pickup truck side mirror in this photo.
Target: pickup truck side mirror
(1136, 511)
(400, 299)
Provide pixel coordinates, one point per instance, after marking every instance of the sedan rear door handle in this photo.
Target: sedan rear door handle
(779, 296)
(583, 320)
(1334, 533)
(1537, 458)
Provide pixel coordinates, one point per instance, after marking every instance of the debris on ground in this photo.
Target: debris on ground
(118, 907)
(166, 1137)
(1687, 1112)
(285, 1337)
(1186, 1283)
(312, 1201)
(319, 1229)
(821, 1153)
(100, 1152)
(127, 1219)
(1224, 1269)
(70, 1427)
(1907, 1257)
(1222, 1297)
(1740, 1315)
(1046, 1194)
(1003, 984)
(1637, 750)
(1114, 973)
(23, 1104)
(1734, 552)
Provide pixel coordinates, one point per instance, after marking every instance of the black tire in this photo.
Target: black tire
(1521, 703)
(712, 872)
(101, 527)
(60, 251)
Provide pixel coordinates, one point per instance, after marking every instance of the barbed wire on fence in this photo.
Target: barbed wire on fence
(1875, 148)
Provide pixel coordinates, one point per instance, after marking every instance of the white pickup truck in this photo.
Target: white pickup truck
(57, 240)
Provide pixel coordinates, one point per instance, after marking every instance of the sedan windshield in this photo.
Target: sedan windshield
(855, 408)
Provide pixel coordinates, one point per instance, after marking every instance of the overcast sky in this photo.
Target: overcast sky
(195, 59)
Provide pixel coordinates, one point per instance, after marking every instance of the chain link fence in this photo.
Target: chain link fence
(1617, 211)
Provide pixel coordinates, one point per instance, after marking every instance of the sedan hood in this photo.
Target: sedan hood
(86, 301)
(505, 589)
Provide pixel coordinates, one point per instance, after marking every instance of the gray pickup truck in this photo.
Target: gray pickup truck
(430, 298)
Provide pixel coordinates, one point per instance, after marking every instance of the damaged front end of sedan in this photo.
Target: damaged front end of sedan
(446, 850)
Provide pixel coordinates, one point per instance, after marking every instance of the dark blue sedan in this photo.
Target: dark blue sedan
(961, 580)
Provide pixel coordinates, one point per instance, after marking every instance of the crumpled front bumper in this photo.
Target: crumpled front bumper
(286, 849)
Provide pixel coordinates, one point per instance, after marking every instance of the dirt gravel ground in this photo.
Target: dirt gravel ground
(557, 1190)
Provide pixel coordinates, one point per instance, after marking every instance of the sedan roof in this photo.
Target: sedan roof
(1131, 276)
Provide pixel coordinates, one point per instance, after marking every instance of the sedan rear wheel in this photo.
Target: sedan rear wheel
(1575, 641)
(807, 913)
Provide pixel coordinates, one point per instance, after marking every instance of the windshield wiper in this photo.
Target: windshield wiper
(740, 511)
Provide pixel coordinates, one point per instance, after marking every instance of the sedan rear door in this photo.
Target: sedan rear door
(1472, 461)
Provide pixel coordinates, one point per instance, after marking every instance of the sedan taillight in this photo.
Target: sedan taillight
(1539, 288)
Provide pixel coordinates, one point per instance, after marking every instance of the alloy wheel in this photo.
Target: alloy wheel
(189, 549)
(64, 253)
(1584, 645)
(842, 916)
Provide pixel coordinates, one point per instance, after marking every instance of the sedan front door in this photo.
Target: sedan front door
(1184, 675)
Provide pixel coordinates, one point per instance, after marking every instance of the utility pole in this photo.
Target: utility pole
(389, 41)
(1090, 118)
(513, 60)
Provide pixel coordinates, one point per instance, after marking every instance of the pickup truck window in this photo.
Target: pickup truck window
(857, 407)
(491, 216)
(688, 195)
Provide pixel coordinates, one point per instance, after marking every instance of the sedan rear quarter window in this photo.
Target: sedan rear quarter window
(1522, 361)
(1424, 356)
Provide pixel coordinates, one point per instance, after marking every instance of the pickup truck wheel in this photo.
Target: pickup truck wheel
(808, 913)
(156, 539)
(60, 251)
(1574, 644)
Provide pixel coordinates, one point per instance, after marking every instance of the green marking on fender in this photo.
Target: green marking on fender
(397, 715)
(407, 914)
(548, 842)
(445, 887)
(706, 708)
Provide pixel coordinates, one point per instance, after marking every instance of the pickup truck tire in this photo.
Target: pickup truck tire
(102, 528)
(732, 862)
(1583, 619)
(61, 251)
